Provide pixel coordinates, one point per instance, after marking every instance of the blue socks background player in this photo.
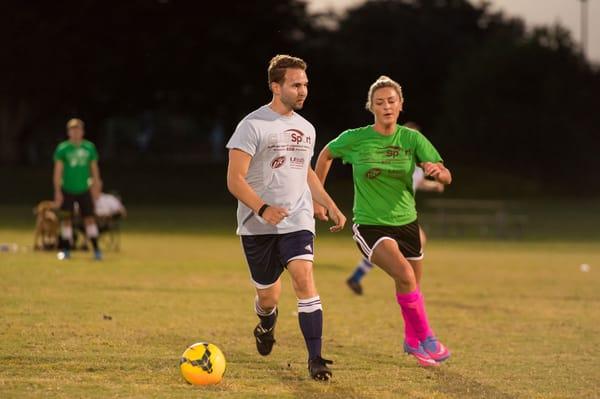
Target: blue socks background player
(363, 267)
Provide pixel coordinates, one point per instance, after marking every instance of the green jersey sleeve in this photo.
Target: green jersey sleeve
(59, 153)
(425, 151)
(342, 146)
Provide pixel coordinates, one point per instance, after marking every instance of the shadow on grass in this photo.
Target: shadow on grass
(459, 386)
(296, 379)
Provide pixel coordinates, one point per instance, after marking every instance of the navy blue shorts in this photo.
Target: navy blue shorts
(269, 254)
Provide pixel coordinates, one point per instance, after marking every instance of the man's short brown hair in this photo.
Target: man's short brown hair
(75, 122)
(279, 64)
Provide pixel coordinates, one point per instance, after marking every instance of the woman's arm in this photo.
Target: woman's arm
(322, 167)
(322, 199)
(438, 171)
(323, 164)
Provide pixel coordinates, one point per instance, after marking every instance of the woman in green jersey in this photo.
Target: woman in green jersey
(386, 230)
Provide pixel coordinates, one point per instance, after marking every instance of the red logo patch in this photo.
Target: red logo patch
(278, 162)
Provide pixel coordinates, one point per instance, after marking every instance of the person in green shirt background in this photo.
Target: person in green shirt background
(75, 173)
(383, 157)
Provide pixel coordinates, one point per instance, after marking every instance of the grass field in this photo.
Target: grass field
(521, 318)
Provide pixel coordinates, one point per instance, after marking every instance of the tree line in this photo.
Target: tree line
(488, 91)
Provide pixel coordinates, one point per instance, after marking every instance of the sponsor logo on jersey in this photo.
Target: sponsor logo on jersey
(298, 136)
(297, 162)
(373, 173)
(393, 151)
(278, 162)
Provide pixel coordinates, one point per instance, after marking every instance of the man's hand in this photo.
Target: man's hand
(58, 198)
(338, 218)
(274, 215)
(320, 211)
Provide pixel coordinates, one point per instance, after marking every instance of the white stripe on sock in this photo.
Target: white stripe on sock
(309, 305)
(66, 233)
(260, 311)
(365, 265)
(91, 230)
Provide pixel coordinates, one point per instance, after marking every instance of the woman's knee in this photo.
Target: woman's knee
(404, 277)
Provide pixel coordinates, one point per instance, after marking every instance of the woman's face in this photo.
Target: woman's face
(386, 106)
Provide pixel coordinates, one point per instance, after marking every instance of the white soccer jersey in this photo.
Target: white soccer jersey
(281, 149)
(108, 205)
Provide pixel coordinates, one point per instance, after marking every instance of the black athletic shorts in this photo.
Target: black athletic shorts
(367, 237)
(269, 254)
(83, 200)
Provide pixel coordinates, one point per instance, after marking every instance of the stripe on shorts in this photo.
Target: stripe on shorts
(361, 241)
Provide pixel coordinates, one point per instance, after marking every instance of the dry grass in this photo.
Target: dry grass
(521, 318)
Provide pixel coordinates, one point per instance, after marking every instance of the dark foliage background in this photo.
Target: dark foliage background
(161, 84)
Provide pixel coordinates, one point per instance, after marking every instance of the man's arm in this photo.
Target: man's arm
(96, 187)
(237, 169)
(321, 197)
(57, 181)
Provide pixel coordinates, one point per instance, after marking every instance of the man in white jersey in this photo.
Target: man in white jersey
(269, 173)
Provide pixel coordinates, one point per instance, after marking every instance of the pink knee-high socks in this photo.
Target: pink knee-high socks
(416, 325)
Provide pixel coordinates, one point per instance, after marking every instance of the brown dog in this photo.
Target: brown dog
(46, 226)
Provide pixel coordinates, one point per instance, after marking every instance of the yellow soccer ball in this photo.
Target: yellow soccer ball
(202, 364)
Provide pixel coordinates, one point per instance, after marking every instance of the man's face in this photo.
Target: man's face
(75, 133)
(386, 105)
(294, 89)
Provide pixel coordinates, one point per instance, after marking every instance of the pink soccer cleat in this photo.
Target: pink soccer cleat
(423, 358)
(435, 349)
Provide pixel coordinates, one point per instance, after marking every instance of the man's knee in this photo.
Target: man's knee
(267, 300)
(303, 281)
(269, 297)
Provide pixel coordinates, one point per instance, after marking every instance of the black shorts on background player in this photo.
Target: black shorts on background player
(269, 254)
(367, 237)
(84, 200)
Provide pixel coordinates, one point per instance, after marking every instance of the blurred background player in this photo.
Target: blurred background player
(108, 205)
(419, 183)
(75, 171)
(269, 173)
(386, 230)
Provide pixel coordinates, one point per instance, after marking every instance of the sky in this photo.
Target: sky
(534, 12)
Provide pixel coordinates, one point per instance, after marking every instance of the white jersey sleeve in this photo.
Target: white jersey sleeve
(244, 138)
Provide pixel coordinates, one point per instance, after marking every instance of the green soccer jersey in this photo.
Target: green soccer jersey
(382, 169)
(76, 160)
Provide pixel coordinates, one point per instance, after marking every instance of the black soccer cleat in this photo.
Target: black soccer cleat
(355, 286)
(318, 369)
(265, 339)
